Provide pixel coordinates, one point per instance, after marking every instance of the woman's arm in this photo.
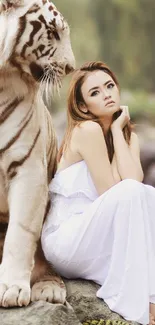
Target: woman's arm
(127, 156)
(91, 146)
(115, 172)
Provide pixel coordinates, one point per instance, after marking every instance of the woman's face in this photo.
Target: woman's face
(101, 94)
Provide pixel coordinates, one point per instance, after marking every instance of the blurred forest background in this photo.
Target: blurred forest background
(121, 33)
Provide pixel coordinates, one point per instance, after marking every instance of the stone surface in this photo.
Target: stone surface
(82, 304)
(39, 313)
(82, 297)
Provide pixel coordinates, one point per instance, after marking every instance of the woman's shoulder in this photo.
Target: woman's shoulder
(87, 128)
(86, 136)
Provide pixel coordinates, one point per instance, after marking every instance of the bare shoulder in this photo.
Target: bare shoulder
(88, 128)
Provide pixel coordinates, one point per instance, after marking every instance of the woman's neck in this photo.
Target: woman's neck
(106, 124)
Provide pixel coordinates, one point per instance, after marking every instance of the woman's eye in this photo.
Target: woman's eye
(111, 85)
(94, 93)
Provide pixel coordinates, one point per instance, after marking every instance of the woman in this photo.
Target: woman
(101, 225)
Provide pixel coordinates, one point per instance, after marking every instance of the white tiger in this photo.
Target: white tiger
(35, 52)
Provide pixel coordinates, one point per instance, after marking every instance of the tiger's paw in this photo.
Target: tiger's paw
(50, 291)
(14, 295)
(15, 288)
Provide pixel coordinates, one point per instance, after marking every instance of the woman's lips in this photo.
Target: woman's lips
(110, 103)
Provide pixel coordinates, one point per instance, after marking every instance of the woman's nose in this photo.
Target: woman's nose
(106, 95)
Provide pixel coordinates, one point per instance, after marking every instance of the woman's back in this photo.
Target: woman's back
(71, 154)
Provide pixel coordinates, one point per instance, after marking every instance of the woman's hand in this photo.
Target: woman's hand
(122, 120)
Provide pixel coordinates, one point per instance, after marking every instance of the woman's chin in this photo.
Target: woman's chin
(113, 110)
(116, 109)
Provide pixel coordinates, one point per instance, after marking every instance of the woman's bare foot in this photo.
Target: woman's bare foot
(152, 314)
(151, 319)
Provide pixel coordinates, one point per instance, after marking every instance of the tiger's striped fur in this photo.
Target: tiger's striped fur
(35, 54)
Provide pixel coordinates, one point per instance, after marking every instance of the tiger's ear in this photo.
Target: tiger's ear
(6, 5)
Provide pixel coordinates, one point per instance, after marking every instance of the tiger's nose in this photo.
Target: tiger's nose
(69, 68)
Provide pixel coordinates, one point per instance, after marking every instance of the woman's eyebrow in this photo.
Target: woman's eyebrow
(98, 86)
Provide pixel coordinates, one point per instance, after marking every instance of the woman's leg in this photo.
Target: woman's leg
(111, 243)
(139, 268)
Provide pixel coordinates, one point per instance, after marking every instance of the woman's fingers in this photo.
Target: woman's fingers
(125, 110)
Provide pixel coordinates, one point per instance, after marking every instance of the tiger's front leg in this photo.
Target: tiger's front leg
(27, 201)
(47, 285)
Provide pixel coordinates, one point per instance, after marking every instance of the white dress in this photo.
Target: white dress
(109, 239)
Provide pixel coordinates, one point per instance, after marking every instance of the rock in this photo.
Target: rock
(82, 297)
(148, 162)
(39, 313)
(82, 305)
(150, 176)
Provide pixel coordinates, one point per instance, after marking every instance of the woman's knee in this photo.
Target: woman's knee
(130, 188)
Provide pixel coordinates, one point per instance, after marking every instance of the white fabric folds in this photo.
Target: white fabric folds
(109, 239)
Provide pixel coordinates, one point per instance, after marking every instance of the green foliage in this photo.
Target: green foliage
(121, 33)
(84, 35)
(140, 103)
(126, 29)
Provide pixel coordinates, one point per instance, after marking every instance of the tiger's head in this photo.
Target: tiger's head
(35, 40)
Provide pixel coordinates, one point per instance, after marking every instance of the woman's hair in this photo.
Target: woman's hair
(75, 116)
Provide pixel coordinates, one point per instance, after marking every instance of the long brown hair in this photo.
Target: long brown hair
(75, 116)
